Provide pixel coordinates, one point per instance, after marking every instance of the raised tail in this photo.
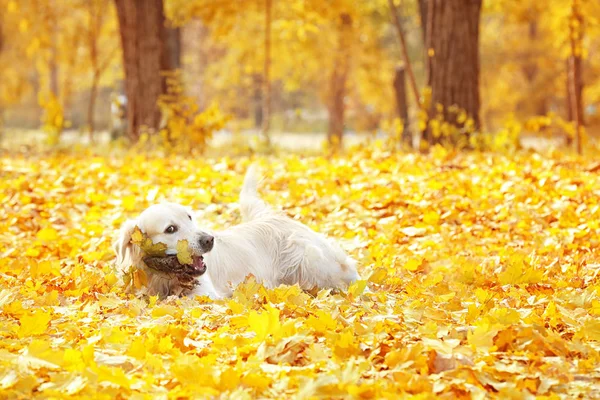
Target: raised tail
(251, 205)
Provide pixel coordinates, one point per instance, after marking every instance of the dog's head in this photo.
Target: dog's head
(166, 223)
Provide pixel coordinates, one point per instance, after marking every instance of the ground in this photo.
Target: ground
(479, 277)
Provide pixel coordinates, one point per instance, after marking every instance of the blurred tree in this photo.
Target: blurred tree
(100, 30)
(318, 55)
(339, 76)
(575, 73)
(399, 78)
(453, 63)
(526, 52)
(172, 57)
(402, 104)
(266, 109)
(145, 58)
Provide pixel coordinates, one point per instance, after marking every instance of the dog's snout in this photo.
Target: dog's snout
(206, 242)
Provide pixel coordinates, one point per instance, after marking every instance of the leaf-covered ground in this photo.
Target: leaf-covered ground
(481, 275)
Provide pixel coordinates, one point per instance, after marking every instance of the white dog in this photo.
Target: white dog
(267, 244)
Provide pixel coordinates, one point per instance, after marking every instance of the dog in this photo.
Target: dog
(269, 245)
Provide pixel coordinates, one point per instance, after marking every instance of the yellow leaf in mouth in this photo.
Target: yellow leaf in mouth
(145, 243)
(184, 256)
(137, 237)
(154, 249)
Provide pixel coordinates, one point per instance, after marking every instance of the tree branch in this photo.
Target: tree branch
(401, 39)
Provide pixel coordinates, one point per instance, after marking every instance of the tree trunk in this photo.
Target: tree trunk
(91, 106)
(257, 103)
(575, 98)
(266, 111)
(172, 55)
(454, 72)
(423, 5)
(531, 70)
(143, 39)
(575, 76)
(402, 104)
(1, 34)
(396, 19)
(568, 99)
(54, 86)
(339, 76)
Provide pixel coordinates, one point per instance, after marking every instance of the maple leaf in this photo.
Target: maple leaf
(482, 337)
(321, 322)
(264, 323)
(113, 375)
(468, 287)
(184, 256)
(47, 234)
(519, 271)
(145, 243)
(34, 323)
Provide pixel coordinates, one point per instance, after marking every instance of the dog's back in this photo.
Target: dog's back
(303, 256)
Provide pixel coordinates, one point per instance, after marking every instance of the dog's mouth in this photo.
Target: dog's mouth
(170, 265)
(199, 265)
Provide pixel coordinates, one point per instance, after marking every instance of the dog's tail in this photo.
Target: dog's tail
(251, 205)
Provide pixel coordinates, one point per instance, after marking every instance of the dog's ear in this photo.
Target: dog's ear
(122, 244)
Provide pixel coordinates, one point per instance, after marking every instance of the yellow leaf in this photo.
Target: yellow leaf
(412, 265)
(137, 349)
(31, 252)
(154, 249)
(431, 218)
(229, 379)
(186, 367)
(321, 322)
(518, 271)
(140, 279)
(73, 360)
(379, 276)
(482, 337)
(184, 256)
(167, 309)
(591, 329)
(128, 203)
(165, 344)
(34, 323)
(345, 344)
(113, 375)
(357, 287)
(257, 381)
(265, 323)
(42, 350)
(74, 385)
(595, 310)
(137, 237)
(145, 243)
(47, 234)
(45, 268)
(203, 196)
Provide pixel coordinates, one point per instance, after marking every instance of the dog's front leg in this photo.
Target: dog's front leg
(205, 287)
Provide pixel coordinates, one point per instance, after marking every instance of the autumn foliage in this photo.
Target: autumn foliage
(479, 269)
(479, 276)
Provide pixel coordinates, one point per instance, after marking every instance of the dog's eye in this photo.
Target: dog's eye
(171, 229)
(190, 217)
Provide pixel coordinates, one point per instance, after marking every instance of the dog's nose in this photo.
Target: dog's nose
(207, 242)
